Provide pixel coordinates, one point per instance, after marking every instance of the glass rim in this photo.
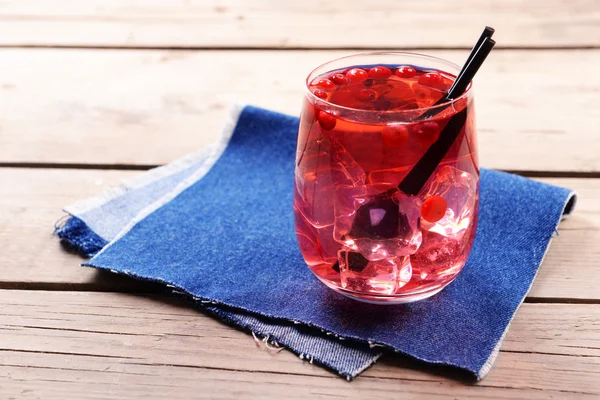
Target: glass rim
(440, 106)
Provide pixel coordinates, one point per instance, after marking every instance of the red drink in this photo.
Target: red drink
(362, 131)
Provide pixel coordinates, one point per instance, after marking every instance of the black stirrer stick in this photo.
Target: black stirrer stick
(454, 92)
(394, 220)
(488, 32)
(424, 168)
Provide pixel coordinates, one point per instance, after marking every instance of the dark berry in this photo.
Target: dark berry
(390, 222)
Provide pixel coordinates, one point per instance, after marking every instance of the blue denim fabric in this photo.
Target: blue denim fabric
(92, 227)
(77, 235)
(346, 357)
(229, 238)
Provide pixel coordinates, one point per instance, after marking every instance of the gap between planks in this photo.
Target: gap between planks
(142, 287)
(145, 167)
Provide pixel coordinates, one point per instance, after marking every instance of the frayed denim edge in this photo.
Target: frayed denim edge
(75, 235)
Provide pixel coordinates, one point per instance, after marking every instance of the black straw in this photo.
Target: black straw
(471, 69)
(424, 168)
(394, 220)
(486, 34)
(453, 92)
(414, 181)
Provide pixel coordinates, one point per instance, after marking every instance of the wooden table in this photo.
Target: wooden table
(93, 91)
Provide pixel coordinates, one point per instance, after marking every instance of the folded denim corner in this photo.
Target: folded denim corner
(76, 236)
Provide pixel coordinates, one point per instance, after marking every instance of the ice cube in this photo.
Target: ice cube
(400, 94)
(314, 200)
(306, 234)
(460, 190)
(327, 245)
(426, 96)
(344, 161)
(439, 256)
(348, 195)
(316, 176)
(377, 225)
(364, 145)
(384, 276)
(391, 177)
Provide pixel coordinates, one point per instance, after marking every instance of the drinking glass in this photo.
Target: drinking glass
(386, 180)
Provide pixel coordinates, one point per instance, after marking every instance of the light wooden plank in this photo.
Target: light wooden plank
(30, 204)
(537, 110)
(310, 23)
(31, 200)
(91, 345)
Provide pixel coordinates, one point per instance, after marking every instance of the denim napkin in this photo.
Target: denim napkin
(223, 233)
(95, 222)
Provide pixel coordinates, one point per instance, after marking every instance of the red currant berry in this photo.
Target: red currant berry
(427, 132)
(338, 79)
(434, 209)
(432, 79)
(406, 72)
(320, 94)
(357, 75)
(380, 72)
(325, 84)
(366, 95)
(326, 120)
(394, 135)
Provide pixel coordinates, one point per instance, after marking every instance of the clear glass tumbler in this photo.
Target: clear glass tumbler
(386, 176)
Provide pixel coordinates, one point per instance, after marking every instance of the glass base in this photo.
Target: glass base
(387, 299)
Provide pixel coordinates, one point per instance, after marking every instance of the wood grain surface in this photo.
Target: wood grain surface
(96, 345)
(91, 89)
(149, 107)
(31, 202)
(309, 23)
